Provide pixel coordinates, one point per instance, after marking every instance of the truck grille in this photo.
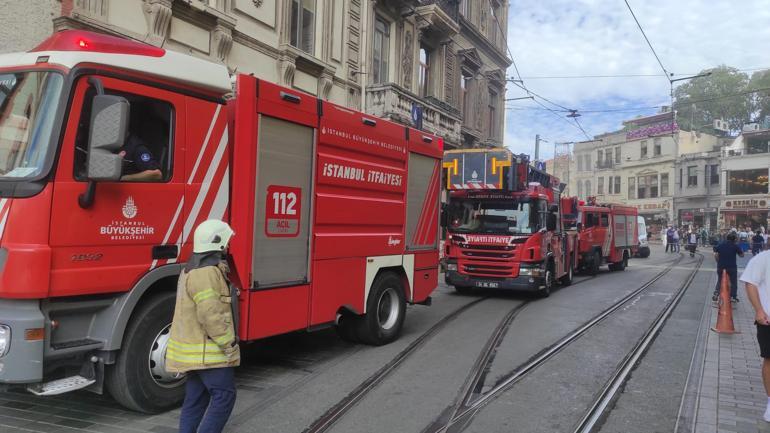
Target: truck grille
(488, 261)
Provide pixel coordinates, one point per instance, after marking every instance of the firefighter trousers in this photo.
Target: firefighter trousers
(209, 399)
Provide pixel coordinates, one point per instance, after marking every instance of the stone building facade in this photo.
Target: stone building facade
(637, 165)
(438, 64)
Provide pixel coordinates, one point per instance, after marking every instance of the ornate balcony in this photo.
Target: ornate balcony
(441, 15)
(393, 102)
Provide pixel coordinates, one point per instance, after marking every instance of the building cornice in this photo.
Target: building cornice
(481, 42)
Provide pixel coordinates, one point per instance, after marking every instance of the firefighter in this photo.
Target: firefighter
(203, 342)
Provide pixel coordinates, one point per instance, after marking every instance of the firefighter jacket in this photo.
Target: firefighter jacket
(202, 332)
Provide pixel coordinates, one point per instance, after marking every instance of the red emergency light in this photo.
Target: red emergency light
(79, 40)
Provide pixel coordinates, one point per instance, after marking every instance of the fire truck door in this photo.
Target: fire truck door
(108, 246)
(283, 200)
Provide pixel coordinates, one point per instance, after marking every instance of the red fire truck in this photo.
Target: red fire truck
(607, 233)
(336, 213)
(504, 224)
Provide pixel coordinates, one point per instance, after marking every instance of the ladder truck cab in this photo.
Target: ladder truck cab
(607, 234)
(112, 152)
(504, 224)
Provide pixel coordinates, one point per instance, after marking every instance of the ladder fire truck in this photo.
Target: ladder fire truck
(336, 213)
(607, 233)
(504, 222)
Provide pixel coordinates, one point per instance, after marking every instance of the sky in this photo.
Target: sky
(556, 38)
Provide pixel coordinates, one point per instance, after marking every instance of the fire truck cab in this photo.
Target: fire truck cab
(607, 234)
(504, 224)
(112, 152)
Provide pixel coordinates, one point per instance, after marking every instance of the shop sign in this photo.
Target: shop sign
(652, 206)
(746, 204)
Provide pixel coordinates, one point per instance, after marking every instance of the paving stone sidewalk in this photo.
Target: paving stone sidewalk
(732, 398)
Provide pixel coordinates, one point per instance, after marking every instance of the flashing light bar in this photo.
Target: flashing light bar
(79, 40)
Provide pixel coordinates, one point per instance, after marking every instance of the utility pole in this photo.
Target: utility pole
(537, 147)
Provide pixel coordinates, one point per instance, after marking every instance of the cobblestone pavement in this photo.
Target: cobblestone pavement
(732, 398)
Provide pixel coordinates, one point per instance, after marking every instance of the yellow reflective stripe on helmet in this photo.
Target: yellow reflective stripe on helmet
(204, 294)
(224, 339)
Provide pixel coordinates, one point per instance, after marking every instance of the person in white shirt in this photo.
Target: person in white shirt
(757, 279)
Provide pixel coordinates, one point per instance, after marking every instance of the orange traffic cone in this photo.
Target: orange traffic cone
(725, 315)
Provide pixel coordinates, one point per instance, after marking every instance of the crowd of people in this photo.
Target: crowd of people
(746, 239)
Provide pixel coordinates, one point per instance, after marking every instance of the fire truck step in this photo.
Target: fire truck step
(60, 386)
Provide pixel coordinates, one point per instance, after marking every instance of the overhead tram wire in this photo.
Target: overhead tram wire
(520, 84)
(649, 44)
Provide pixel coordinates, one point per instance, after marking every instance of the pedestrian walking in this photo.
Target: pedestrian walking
(704, 236)
(692, 242)
(669, 239)
(203, 342)
(756, 276)
(726, 254)
(757, 243)
(675, 240)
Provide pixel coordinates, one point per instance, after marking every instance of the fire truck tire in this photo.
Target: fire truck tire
(385, 311)
(464, 290)
(566, 280)
(130, 380)
(595, 263)
(548, 281)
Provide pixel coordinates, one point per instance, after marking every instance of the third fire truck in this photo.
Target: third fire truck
(607, 234)
(504, 224)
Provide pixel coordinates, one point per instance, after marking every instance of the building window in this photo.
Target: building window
(617, 184)
(617, 155)
(653, 181)
(465, 84)
(599, 154)
(600, 185)
(644, 148)
(692, 175)
(303, 24)
(580, 188)
(631, 187)
(681, 182)
(747, 181)
(664, 184)
(492, 114)
(580, 163)
(657, 147)
(714, 174)
(424, 78)
(757, 145)
(608, 157)
(380, 51)
(588, 188)
(648, 186)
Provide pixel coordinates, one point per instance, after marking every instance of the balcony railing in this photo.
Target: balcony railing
(392, 102)
(604, 164)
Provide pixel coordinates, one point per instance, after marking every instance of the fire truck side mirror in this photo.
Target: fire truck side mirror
(444, 216)
(579, 226)
(109, 126)
(550, 222)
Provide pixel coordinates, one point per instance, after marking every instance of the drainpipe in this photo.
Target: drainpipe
(362, 72)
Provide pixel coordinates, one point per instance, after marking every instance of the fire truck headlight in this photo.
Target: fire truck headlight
(5, 340)
(451, 266)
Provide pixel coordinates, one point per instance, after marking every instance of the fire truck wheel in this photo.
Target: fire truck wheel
(385, 311)
(566, 280)
(595, 263)
(548, 281)
(136, 381)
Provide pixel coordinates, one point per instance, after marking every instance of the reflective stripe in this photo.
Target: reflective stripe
(224, 339)
(204, 294)
(193, 348)
(195, 359)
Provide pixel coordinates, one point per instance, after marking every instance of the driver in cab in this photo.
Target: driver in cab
(139, 164)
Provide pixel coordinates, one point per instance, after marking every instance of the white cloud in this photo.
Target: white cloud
(599, 37)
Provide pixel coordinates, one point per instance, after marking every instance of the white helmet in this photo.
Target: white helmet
(212, 235)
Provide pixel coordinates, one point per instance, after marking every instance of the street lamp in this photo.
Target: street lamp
(517, 99)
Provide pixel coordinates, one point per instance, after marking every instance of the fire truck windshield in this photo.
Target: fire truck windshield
(499, 217)
(28, 105)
